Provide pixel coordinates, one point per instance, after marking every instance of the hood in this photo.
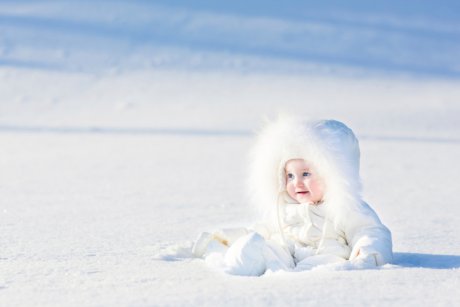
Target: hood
(328, 145)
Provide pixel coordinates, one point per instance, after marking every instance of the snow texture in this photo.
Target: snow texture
(125, 128)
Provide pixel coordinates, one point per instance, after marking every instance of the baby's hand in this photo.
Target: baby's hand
(201, 244)
(221, 239)
(365, 261)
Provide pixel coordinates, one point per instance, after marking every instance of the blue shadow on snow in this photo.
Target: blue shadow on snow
(428, 261)
(192, 132)
(391, 41)
(125, 131)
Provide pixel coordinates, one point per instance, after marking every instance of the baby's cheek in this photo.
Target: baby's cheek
(290, 189)
(318, 187)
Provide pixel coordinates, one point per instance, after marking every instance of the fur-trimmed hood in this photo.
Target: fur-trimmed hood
(328, 145)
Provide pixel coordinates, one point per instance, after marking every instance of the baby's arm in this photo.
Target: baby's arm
(369, 238)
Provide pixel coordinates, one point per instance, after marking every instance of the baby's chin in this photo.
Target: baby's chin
(306, 200)
(303, 198)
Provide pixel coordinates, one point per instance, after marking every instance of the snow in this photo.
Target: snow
(118, 150)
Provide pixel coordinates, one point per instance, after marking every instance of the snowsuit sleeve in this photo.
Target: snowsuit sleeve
(367, 235)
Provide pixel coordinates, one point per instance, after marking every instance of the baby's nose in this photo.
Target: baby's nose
(299, 183)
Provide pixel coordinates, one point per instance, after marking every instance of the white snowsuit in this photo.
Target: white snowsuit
(301, 236)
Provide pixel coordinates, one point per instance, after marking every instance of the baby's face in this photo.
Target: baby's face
(302, 184)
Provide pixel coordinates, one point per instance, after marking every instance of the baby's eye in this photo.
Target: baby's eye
(290, 176)
(306, 174)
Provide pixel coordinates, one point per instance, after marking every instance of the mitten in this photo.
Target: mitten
(365, 261)
(219, 239)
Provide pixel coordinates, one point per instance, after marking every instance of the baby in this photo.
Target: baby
(305, 181)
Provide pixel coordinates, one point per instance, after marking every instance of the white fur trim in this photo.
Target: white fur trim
(329, 145)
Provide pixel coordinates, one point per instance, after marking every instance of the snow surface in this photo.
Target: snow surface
(118, 148)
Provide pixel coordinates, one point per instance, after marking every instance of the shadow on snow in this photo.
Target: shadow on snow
(369, 45)
(191, 132)
(428, 261)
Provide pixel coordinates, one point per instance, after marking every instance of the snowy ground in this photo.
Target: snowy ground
(103, 170)
(85, 212)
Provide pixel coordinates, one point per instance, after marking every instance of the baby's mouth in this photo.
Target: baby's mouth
(302, 192)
